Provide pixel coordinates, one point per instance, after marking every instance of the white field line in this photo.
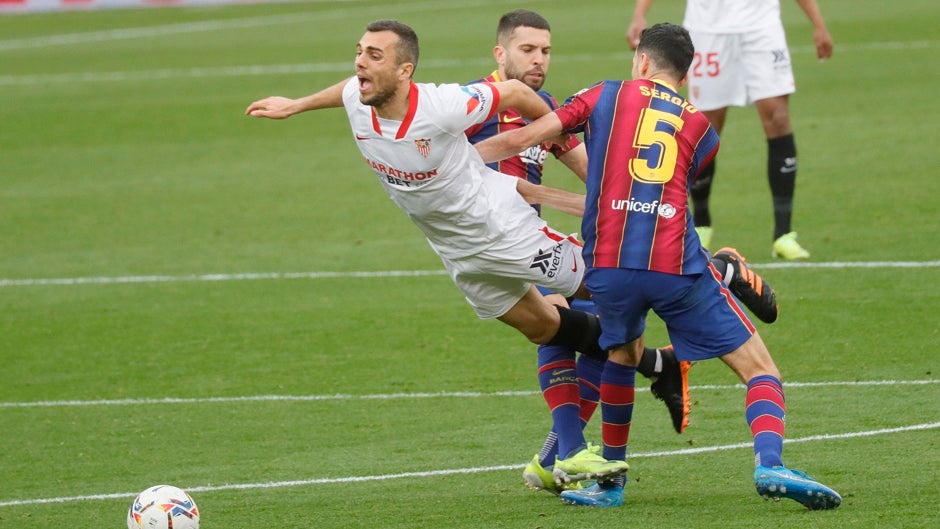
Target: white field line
(401, 396)
(850, 264)
(218, 277)
(346, 66)
(458, 471)
(350, 12)
(385, 273)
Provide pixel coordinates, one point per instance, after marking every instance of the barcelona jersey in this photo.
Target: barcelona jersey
(645, 146)
(528, 163)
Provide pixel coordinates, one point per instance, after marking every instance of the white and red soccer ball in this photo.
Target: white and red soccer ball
(163, 507)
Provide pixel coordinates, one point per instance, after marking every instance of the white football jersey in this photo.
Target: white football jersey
(432, 172)
(730, 16)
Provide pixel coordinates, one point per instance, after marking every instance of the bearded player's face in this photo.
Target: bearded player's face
(525, 56)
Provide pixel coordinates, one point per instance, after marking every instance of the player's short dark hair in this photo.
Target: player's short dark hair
(519, 18)
(668, 46)
(407, 49)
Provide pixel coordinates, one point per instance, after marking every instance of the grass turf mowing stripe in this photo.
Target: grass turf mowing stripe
(389, 273)
(456, 471)
(396, 396)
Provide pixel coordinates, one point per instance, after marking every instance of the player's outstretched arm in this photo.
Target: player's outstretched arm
(506, 144)
(518, 96)
(277, 107)
(559, 199)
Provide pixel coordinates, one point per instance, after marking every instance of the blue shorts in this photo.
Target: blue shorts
(702, 317)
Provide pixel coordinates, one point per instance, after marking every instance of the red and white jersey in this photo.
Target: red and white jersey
(432, 172)
(730, 16)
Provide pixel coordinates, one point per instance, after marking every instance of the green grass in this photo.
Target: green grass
(127, 156)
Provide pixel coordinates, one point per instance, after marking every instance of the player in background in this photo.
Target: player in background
(645, 145)
(494, 245)
(741, 58)
(523, 52)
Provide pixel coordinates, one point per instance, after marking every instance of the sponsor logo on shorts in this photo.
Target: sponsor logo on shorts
(548, 261)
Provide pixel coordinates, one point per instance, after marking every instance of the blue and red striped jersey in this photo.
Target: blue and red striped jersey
(528, 163)
(645, 146)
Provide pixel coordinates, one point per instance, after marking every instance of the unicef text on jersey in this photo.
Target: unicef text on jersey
(666, 211)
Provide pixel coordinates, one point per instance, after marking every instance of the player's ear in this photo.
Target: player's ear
(646, 64)
(641, 65)
(407, 70)
(498, 53)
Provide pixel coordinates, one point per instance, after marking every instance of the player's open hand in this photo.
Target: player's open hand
(274, 107)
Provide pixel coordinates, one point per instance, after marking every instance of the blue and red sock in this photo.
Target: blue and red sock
(558, 380)
(589, 384)
(765, 410)
(618, 388)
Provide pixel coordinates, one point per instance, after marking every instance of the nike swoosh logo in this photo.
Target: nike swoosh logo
(557, 372)
(358, 137)
(575, 267)
(788, 169)
(508, 119)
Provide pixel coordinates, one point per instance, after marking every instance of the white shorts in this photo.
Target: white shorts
(496, 279)
(737, 69)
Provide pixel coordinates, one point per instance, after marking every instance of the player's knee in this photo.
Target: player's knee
(628, 355)
(777, 122)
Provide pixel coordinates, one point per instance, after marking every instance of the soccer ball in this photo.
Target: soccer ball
(163, 507)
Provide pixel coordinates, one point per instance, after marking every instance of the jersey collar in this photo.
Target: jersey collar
(664, 83)
(409, 115)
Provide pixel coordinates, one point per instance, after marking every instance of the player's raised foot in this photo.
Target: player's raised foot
(586, 464)
(749, 287)
(781, 482)
(597, 495)
(786, 247)
(704, 235)
(672, 387)
(537, 477)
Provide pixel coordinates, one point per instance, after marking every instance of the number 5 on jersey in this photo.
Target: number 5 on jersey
(657, 146)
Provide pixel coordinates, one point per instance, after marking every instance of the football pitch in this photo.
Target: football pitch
(233, 306)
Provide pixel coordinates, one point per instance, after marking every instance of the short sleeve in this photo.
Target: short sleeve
(461, 106)
(577, 109)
